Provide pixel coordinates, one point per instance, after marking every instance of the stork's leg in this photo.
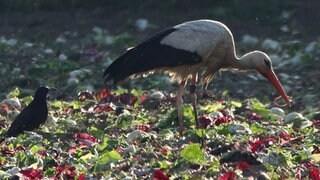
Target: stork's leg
(179, 108)
(194, 97)
(194, 105)
(204, 90)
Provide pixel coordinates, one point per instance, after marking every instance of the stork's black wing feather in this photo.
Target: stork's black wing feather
(150, 54)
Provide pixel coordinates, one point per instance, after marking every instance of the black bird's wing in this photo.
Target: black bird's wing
(29, 119)
(149, 55)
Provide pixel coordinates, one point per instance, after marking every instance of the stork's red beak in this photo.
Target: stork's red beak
(276, 83)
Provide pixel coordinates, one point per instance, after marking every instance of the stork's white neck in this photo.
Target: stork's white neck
(244, 62)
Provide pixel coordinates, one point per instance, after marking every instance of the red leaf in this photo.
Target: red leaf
(92, 53)
(43, 153)
(128, 98)
(243, 165)
(144, 128)
(103, 93)
(254, 117)
(66, 111)
(66, 170)
(83, 137)
(316, 124)
(164, 151)
(143, 98)
(316, 150)
(257, 145)
(5, 107)
(103, 108)
(159, 175)
(228, 176)
(204, 122)
(298, 173)
(32, 174)
(85, 95)
(73, 149)
(221, 120)
(119, 149)
(314, 174)
(308, 164)
(82, 177)
(285, 136)
(19, 148)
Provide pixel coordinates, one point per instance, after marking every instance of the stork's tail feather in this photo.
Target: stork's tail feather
(120, 68)
(140, 58)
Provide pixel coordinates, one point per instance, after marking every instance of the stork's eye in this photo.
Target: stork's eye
(268, 63)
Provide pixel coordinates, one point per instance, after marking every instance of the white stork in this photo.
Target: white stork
(196, 47)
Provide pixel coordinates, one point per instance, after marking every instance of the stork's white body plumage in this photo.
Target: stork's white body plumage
(203, 37)
(212, 40)
(186, 50)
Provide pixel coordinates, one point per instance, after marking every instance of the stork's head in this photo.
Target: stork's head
(261, 62)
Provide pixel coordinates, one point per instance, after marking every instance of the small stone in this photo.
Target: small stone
(285, 28)
(311, 47)
(271, 45)
(34, 136)
(303, 124)
(274, 159)
(27, 45)
(276, 60)
(297, 59)
(142, 24)
(75, 73)
(278, 111)
(61, 39)
(48, 51)
(249, 41)
(238, 129)
(157, 95)
(71, 122)
(97, 30)
(286, 14)
(292, 117)
(16, 71)
(130, 149)
(136, 135)
(50, 120)
(79, 73)
(13, 171)
(263, 176)
(13, 102)
(62, 57)
(73, 81)
(12, 42)
(13, 114)
(215, 114)
(109, 40)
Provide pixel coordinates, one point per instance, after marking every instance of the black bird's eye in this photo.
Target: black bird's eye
(268, 63)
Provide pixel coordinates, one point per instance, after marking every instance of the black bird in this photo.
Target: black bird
(201, 47)
(30, 117)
